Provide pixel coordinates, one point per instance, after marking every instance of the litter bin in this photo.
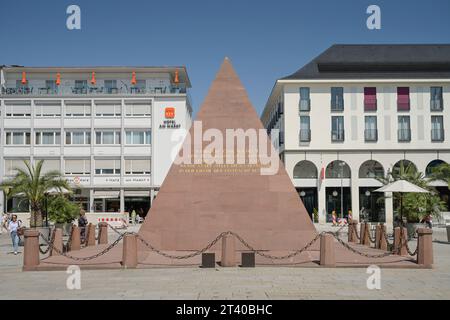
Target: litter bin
(448, 233)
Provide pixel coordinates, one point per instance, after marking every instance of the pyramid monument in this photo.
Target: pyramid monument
(198, 201)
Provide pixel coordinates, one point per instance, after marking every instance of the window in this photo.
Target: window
(50, 165)
(48, 137)
(137, 109)
(140, 84)
(305, 102)
(403, 99)
(436, 102)
(12, 164)
(107, 137)
(305, 129)
(20, 85)
(18, 109)
(337, 99)
(107, 166)
(112, 109)
(47, 109)
(51, 86)
(78, 137)
(77, 166)
(78, 109)
(80, 86)
(138, 137)
(111, 86)
(404, 129)
(370, 131)
(17, 138)
(337, 128)
(370, 99)
(137, 166)
(437, 128)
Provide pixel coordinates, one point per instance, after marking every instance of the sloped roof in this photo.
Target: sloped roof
(380, 61)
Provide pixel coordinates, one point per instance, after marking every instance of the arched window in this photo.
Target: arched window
(305, 170)
(407, 165)
(371, 169)
(432, 165)
(338, 169)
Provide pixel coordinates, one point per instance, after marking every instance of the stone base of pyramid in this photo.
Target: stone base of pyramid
(149, 259)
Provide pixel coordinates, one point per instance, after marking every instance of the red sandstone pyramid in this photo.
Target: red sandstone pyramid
(192, 208)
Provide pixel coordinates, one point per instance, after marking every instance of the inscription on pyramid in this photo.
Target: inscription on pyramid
(199, 200)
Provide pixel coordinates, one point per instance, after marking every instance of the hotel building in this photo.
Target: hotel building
(107, 129)
(355, 112)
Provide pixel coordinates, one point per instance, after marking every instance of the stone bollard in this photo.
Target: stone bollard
(383, 242)
(75, 241)
(425, 247)
(90, 235)
(31, 250)
(57, 242)
(361, 232)
(228, 251)
(354, 231)
(350, 230)
(102, 233)
(377, 236)
(366, 239)
(129, 253)
(398, 234)
(327, 258)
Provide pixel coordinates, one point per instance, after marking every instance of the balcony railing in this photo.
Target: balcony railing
(305, 105)
(337, 135)
(305, 135)
(404, 135)
(91, 90)
(337, 104)
(436, 105)
(371, 134)
(437, 135)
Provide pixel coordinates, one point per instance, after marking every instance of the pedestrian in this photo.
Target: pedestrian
(428, 221)
(1, 222)
(82, 223)
(133, 217)
(13, 228)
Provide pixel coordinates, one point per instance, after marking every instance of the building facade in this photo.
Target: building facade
(355, 112)
(107, 129)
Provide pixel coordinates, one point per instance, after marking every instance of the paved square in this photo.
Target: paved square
(228, 283)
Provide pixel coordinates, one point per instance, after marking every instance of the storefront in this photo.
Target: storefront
(371, 205)
(338, 199)
(309, 199)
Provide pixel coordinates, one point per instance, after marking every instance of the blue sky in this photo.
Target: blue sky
(264, 39)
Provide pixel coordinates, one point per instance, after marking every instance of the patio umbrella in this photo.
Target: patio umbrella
(402, 186)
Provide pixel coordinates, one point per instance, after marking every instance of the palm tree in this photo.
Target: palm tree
(33, 185)
(442, 172)
(415, 205)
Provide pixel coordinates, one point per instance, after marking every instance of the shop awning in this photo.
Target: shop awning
(136, 193)
(106, 194)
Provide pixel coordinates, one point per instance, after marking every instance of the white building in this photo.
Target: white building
(107, 129)
(354, 112)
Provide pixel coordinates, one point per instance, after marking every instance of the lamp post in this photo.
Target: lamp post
(341, 164)
(369, 200)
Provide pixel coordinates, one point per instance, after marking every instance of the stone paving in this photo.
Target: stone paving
(228, 283)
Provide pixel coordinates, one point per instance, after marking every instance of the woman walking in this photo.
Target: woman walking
(13, 227)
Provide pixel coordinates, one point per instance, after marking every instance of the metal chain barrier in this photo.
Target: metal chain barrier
(405, 243)
(66, 247)
(48, 247)
(104, 251)
(367, 255)
(265, 255)
(220, 236)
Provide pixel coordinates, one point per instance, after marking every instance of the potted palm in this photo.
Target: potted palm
(62, 212)
(33, 184)
(414, 198)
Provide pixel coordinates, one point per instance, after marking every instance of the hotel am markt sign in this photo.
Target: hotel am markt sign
(169, 121)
